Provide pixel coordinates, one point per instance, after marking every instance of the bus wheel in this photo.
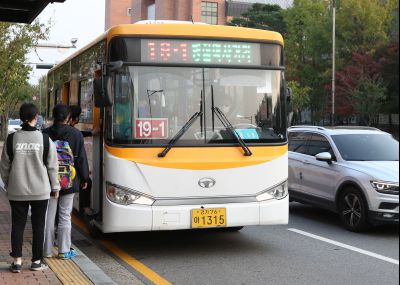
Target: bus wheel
(232, 229)
(94, 231)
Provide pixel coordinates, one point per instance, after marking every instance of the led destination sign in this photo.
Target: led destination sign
(200, 52)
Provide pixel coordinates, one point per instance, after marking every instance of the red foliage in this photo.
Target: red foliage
(362, 66)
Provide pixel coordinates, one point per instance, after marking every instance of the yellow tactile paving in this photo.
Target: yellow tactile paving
(68, 272)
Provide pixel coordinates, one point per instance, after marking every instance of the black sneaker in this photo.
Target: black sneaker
(39, 266)
(15, 268)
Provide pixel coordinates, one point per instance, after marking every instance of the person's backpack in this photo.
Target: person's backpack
(66, 169)
(10, 147)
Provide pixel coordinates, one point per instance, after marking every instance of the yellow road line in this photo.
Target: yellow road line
(134, 263)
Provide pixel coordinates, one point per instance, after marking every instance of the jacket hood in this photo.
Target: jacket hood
(58, 131)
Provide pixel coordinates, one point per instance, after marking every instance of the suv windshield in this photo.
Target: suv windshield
(151, 104)
(367, 147)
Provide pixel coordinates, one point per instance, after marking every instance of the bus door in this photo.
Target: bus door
(65, 94)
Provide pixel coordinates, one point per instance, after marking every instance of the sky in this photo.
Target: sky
(81, 19)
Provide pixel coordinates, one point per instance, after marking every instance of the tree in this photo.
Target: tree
(363, 25)
(367, 98)
(262, 16)
(308, 47)
(388, 57)
(300, 100)
(16, 40)
(361, 67)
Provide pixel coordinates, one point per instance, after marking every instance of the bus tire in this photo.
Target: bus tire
(94, 231)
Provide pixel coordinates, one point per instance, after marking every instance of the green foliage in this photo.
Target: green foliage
(388, 56)
(368, 97)
(16, 40)
(308, 46)
(301, 99)
(362, 25)
(262, 16)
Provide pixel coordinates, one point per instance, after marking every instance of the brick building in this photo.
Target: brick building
(215, 12)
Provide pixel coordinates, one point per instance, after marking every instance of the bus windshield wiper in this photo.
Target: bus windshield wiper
(179, 134)
(224, 120)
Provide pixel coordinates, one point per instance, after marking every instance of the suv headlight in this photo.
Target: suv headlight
(386, 187)
(125, 196)
(277, 192)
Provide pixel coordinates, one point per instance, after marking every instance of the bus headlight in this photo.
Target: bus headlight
(277, 192)
(124, 196)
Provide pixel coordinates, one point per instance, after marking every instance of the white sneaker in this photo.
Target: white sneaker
(39, 266)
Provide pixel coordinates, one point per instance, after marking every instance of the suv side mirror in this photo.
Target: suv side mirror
(324, 156)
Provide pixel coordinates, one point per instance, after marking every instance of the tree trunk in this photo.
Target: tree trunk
(3, 126)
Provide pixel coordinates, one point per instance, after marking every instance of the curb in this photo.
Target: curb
(90, 269)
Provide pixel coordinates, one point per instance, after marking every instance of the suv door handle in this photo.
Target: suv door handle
(306, 162)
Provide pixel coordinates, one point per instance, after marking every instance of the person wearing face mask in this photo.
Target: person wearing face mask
(74, 175)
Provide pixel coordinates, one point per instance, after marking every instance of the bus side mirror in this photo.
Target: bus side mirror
(102, 98)
(289, 106)
(102, 84)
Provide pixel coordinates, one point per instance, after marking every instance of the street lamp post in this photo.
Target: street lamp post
(333, 59)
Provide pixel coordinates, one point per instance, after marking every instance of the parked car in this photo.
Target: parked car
(40, 123)
(353, 171)
(14, 125)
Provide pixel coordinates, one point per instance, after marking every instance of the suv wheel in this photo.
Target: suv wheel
(353, 210)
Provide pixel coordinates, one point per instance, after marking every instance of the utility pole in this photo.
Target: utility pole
(333, 59)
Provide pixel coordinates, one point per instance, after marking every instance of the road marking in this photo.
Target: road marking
(134, 263)
(349, 247)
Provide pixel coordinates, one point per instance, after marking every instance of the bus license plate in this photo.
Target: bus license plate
(208, 218)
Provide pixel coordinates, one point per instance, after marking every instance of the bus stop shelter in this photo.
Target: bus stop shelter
(22, 11)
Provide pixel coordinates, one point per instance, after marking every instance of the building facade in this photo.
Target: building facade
(118, 12)
(215, 12)
(210, 11)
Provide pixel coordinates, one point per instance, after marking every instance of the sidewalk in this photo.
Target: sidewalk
(26, 276)
(78, 271)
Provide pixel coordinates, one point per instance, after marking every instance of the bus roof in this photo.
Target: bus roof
(195, 31)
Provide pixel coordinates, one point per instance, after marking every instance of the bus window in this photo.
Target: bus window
(123, 106)
(85, 100)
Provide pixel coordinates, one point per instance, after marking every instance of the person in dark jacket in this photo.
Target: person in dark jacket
(61, 130)
(29, 173)
(84, 194)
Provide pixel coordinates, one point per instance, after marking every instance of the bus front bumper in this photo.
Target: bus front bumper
(118, 218)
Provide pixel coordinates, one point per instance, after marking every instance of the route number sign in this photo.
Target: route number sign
(151, 128)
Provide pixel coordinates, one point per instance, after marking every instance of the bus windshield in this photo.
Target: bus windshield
(152, 103)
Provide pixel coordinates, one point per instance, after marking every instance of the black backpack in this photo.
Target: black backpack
(45, 147)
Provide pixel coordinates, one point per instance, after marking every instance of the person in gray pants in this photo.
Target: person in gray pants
(61, 130)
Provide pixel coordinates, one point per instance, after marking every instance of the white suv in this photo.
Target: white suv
(353, 171)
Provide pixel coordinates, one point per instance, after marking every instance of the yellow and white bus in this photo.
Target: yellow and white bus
(189, 125)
